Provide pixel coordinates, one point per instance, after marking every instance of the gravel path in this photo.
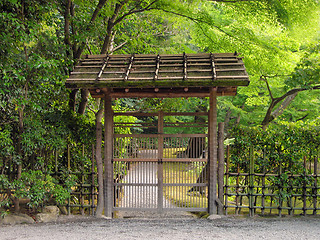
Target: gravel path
(226, 228)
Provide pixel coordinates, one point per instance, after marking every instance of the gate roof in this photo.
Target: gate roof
(177, 75)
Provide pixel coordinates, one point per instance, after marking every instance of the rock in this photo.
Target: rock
(51, 209)
(49, 214)
(214, 216)
(46, 217)
(16, 218)
(63, 210)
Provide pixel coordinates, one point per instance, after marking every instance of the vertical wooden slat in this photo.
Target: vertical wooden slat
(212, 132)
(108, 137)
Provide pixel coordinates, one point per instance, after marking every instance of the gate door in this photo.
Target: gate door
(165, 168)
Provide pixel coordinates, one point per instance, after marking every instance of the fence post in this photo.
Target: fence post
(108, 156)
(304, 194)
(315, 174)
(227, 180)
(212, 139)
(251, 182)
(69, 172)
(220, 167)
(92, 180)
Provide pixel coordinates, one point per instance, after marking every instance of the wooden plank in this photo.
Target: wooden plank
(212, 132)
(160, 165)
(108, 155)
(220, 166)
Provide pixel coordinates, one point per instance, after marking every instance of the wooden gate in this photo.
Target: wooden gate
(165, 169)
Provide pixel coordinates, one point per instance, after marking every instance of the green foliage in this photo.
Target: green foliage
(38, 188)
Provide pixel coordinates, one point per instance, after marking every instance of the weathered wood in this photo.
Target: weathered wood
(220, 166)
(251, 182)
(180, 70)
(227, 180)
(160, 165)
(108, 155)
(212, 132)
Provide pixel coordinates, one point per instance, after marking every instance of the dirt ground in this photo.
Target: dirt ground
(231, 227)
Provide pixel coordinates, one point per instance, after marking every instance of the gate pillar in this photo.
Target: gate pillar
(108, 155)
(212, 139)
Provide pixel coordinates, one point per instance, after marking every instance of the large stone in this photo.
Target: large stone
(49, 214)
(63, 210)
(16, 218)
(51, 209)
(214, 216)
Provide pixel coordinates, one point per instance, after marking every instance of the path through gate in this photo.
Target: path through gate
(165, 168)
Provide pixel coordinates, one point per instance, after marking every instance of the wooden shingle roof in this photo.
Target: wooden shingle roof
(179, 75)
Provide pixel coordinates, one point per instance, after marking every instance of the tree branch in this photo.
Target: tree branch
(264, 78)
(134, 10)
(269, 117)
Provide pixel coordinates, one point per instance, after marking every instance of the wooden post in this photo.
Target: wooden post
(304, 189)
(251, 183)
(227, 180)
(92, 179)
(315, 189)
(212, 132)
(220, 166)
(160, 165)
(108, 155)
(69, 172)
(82, 185)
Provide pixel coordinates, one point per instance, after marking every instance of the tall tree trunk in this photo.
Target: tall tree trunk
(72, 100)
(99, 116)
(84, 101)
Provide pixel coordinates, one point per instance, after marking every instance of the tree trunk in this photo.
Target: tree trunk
(84, 101)
(72, 100)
